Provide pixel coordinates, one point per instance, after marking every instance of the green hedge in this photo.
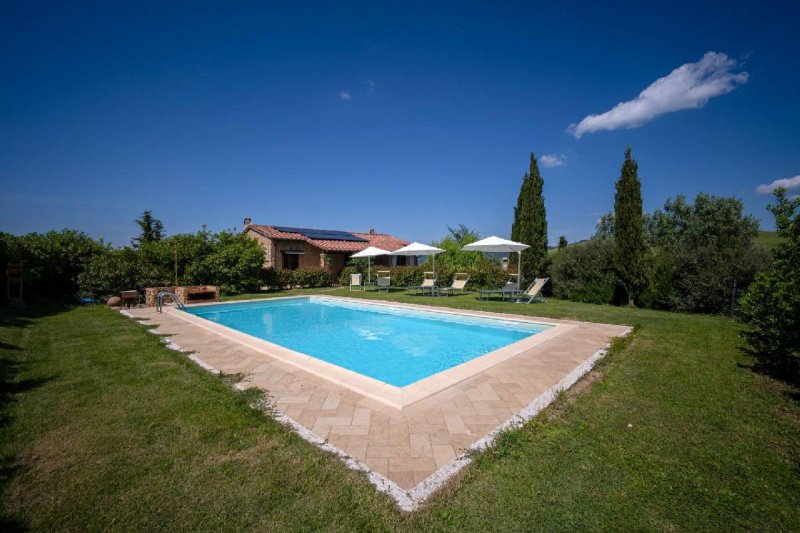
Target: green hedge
(310, 277)
(584, 272)
(481, 277)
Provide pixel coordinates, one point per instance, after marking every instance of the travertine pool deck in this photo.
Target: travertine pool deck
(406, 445)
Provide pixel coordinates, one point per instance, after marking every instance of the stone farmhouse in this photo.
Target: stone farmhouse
(297, 248)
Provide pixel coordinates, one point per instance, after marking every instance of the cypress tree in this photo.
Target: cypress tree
(629, 245)
(530, 223)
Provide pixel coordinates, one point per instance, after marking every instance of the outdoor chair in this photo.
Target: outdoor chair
(509, 289)
(384, 280)
(460, 280)
(534, 292)
(428, 283)
(355, 281)
(129, 298)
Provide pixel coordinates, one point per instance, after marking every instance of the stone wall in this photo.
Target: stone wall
(184, 293)
(267, 245)
(197, 293)
(150, 294)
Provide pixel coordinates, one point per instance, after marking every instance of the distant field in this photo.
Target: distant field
(769, 239)
(553, 249)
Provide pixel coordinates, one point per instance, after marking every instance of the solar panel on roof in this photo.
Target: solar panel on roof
(321, 234)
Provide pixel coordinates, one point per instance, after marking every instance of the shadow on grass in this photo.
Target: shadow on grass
(788, 376)
(11, 367)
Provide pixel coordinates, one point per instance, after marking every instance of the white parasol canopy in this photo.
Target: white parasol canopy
(498, 244)
(416, 249)
(369, 253)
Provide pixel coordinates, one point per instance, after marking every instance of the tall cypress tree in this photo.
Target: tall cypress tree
(530, 223)
(629, 245)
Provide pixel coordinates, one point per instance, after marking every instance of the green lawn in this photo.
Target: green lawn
(103, 428)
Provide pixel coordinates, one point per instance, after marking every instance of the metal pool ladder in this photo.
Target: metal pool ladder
(160, 300)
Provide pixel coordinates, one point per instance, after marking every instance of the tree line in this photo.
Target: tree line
(695, 257)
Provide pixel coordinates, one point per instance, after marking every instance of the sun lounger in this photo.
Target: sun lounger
(509, 289)
(460, 280)
(428, 284)
(533, 292)
(384, 280)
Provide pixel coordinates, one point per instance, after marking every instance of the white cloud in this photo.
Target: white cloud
(553, 160)
(689, 86)
(370, 85)
(345, 96)
(786, 183)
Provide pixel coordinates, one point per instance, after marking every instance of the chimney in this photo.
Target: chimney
(372, 231)
(247, 221)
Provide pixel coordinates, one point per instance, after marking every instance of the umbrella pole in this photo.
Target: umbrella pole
(369, 270)
(519, 269)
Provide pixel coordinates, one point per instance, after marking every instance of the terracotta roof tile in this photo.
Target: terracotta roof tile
(379, 240)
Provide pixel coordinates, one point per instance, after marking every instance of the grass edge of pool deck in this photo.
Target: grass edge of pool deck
(105, 428)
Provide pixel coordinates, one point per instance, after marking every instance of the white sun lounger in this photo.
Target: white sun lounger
(460, 280)
(533, 292)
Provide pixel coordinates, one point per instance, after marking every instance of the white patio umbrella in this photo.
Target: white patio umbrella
(369, 253)
(497, 244)
(416, 249)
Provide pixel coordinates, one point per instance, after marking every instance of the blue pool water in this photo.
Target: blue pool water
(391, 344)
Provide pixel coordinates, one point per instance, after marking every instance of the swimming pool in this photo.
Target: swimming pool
(395, 345)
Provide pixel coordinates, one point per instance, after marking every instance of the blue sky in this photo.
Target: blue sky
(397, 116)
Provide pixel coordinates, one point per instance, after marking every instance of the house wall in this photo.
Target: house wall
(273, 256)
(336, 262)
(309, 259)
(266, 244)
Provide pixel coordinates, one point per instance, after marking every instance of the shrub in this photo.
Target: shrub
(304, 277)
(701, 250)
(585, 272)
(771, 306)
(310, 277)
(53, 260)
(407, 276)
(344, 275)
(234, 263)
(117, 270)
(271, 278)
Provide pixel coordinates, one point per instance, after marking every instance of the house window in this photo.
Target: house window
(291, 261)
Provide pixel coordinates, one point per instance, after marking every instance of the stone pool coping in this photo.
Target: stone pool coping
(390, 395)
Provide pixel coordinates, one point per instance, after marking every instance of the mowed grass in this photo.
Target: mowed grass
(103, 428)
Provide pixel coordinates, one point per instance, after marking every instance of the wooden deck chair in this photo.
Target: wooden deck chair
(355, 281)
